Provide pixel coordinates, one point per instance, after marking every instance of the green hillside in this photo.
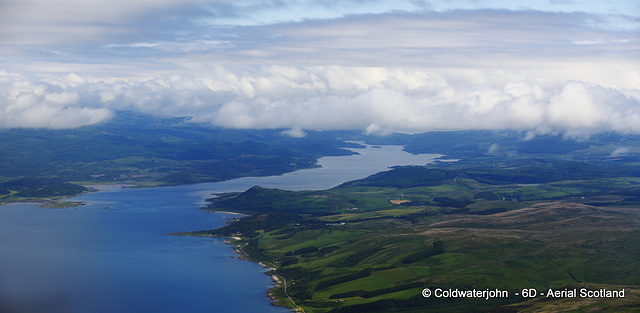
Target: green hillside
(148, 151)
(373, 245)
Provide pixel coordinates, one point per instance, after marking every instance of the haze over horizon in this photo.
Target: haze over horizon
(568, 67)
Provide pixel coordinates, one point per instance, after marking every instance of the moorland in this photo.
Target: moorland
(565, 218)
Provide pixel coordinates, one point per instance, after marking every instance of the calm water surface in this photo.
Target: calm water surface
(111, 255)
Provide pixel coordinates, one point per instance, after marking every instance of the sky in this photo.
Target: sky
(570, 67)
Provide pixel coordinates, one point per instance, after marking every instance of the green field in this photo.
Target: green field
(358, 248)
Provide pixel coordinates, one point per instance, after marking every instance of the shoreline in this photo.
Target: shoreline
(277, 280)
(104, 187)
(57, 204)
(52, 200)
(58, 199)
(228, 212)
(273, 293)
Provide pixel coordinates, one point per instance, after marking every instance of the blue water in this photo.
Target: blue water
(111, 255)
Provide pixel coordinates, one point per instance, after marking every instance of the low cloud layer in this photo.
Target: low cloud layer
(376, 100)
(32, 103)
(378, 66)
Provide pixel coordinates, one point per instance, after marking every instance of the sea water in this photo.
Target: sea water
(111, 255)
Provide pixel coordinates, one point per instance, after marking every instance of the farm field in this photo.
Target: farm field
(374, 244)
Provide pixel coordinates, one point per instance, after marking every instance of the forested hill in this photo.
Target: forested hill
(140, 149)
(516, 145)
(521, 171)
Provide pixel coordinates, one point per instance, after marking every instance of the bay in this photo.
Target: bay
(111, 255)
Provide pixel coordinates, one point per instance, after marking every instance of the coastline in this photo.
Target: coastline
(237, 246)
(274, 292)
(54, 200)
(278, 281)
(228, 212)
(105, 187)
(57, 204)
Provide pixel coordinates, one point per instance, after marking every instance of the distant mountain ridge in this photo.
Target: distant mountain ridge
(141, 149)
(135, 148)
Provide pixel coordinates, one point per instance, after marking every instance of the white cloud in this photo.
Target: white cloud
(375, 65)
(28, 103)
(493, 148)
(375, 100)
(294, 132)
(620, 151)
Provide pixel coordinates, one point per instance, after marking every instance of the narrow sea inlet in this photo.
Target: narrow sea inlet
(111, 255)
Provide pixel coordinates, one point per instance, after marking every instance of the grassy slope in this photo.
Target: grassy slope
(548, 235)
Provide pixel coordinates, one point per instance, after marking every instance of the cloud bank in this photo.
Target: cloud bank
(377, 100)
(377, 66)
(28, 103)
